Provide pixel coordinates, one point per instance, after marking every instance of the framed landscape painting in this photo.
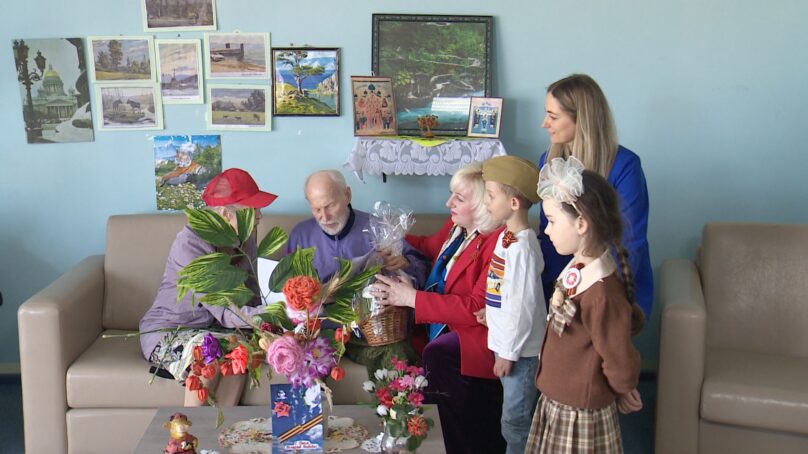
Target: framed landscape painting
(305, 81)
(238, 108)
(178, 15)
(179, 64)
(436, 63)
(485, 116)
(116, 59)
(374, 107)
(237, 55)
(129, 107)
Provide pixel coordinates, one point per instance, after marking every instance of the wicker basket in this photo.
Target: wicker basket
(388, 326)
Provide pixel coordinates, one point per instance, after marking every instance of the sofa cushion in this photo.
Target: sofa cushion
(755, 390)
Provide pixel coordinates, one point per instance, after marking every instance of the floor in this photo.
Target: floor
(638, 428)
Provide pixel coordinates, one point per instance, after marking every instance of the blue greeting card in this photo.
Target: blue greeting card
(297, 419)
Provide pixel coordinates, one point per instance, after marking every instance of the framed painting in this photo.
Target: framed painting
(305, 81)
(374, 106)
(237, 55)
(129, 107)
(183, 167)
(436, 63)
(119, 59)
(178, 15)
(485, 116)
(179, 69)
(54, 90)
(238, 108)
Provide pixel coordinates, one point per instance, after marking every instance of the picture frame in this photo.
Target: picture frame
(238, 108)
(237, 55)
(178, 15)
(415, 52)
(54, 90)
(305, 81)
(374, 106)
(129, 60)
(485, 117)
(129, 107)
(179, 71)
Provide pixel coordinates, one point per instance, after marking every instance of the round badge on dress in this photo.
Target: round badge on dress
(571, 279)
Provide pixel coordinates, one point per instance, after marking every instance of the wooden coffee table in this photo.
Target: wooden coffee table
(204, 426)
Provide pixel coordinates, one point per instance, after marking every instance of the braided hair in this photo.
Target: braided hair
(599, 205)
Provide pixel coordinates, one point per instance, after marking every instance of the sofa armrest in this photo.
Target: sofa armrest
(55, 326)
(681, 358)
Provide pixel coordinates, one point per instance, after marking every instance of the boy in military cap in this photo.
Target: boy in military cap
(514, 310)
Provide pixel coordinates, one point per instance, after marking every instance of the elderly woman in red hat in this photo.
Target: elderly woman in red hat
(170, 352)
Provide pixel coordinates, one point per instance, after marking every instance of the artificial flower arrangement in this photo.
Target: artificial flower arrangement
(399, 393)
(288, 334)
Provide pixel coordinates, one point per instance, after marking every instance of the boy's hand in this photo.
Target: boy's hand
(502, 367)
(629, 403)
(481, 317)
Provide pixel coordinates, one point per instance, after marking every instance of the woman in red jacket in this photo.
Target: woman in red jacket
(458, 363)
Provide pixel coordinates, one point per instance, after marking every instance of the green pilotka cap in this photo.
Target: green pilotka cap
(514, 171)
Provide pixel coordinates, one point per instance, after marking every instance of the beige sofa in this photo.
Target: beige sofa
(733, 353)
(84, 394)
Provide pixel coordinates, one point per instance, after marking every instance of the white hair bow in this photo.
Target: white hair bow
(561, 180)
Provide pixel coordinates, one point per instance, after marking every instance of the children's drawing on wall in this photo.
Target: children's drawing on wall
(180, 67)
(176, 15)
(118, 59)
(237, 55)
(54, 90)
(183, 166)
(129, 107)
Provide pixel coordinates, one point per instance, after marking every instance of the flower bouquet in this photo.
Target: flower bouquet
(287, 334)
(399, 393)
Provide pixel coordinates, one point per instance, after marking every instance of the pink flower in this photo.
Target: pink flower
(407, 382)
(398, 364)
(416, 399)
(415, 370)
(285, 355)
(396, 385)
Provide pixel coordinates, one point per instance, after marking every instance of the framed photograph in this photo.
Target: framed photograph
(117, 59)
(183, 167)
(485, 116)
(374, 106)
(238, 108)
(237, 55)
(54, 90)
(178, 15)
(129, 107)
(305, 81)
(436, 63)
(179, 69)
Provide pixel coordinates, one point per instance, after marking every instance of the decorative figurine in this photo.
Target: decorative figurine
(427, 122)
(181, 442)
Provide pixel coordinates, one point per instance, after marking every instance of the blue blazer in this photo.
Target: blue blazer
(628, 179)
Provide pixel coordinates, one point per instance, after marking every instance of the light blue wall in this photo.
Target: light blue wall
(712, 95)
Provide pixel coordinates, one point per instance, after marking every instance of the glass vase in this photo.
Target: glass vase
(394, 445)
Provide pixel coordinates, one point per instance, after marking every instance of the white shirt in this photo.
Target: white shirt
(514, 299)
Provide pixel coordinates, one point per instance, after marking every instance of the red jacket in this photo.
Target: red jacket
(463, 295)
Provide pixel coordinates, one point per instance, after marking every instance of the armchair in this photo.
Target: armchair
(733, 353)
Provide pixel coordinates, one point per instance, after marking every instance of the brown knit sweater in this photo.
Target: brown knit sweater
(593, 361)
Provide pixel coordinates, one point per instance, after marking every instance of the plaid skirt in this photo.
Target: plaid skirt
(561, 429)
